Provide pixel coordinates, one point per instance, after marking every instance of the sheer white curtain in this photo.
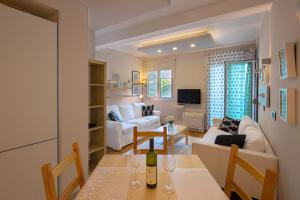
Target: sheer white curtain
(215, 63)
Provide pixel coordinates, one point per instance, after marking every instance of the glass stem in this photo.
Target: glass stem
(170, 174)
(134, 174)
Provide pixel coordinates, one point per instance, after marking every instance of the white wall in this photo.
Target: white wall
(91, 43)
(190, 73)
(122, 64)
(281, 26)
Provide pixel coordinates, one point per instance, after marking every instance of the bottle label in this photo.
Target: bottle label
(151, 175)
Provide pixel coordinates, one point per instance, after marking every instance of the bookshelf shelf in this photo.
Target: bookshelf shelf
(97, 110)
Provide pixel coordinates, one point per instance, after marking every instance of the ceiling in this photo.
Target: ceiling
(130, 25)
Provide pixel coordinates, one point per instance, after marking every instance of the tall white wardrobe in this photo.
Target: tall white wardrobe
(28, 102)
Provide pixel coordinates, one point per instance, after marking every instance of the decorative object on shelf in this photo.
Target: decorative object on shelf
(287, 102)
(287, 61)
(135, 89)
(135, 76)
(264, 95)
(264, 71)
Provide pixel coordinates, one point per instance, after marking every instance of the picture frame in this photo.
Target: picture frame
(287, 62)
(135, 89)
(287, 105)
(264, 95)
(135, 76)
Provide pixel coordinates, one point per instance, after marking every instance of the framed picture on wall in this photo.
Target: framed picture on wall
(287, 100)
(135, 89)
(287, 63)
(135, 76)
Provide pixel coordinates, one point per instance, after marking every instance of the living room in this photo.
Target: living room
(197, 76)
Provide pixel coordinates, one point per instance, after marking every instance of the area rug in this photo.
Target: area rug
(180, 146)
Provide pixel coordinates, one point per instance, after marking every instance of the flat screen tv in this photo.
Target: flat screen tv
(189, 96)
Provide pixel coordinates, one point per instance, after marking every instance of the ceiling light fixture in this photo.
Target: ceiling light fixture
(174, 48)
(192, 45)
(159, 51)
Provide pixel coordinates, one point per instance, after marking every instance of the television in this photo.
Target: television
(188, 96)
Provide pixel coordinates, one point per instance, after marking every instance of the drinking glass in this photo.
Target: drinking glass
(169, 163)
(135, 161)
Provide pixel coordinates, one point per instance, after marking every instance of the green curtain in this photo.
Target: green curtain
(238, 89)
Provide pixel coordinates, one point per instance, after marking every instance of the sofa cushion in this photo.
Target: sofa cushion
(141, 122)
(137, 109)
(245, 121)
(116, 111)
(211, 134)
(126, 112)
(126, 126)
(230, 125)
(228, 140)
(254, 139)
(152, 118)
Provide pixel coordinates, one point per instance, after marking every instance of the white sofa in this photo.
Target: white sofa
(120, 134)
(256, 150)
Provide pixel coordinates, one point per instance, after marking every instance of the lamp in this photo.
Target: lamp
(142, 82)
(298, 10)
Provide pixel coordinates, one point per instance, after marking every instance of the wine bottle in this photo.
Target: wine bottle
(151, 166)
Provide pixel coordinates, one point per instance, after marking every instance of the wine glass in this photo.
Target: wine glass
(169, 163)
(135, 161)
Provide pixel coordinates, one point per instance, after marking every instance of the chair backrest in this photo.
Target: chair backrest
(162, 134)
(268, 180)
(50, 174)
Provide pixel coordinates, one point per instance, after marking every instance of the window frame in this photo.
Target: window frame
(158, 67)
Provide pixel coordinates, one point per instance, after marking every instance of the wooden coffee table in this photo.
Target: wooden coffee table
(174, 134)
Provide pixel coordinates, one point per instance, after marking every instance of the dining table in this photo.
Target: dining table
(111, 179)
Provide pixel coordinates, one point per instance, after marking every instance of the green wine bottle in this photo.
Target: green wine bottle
(151, 168)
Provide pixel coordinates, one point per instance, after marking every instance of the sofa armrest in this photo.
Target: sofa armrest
(217, 122)
(113, 125)
(216, 157)
(156, 113)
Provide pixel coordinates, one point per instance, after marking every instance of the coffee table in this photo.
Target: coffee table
(174, 134)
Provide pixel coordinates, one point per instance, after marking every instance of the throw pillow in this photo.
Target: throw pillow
(230, 125)
(228, 140)
(113, 116)
(147, 110)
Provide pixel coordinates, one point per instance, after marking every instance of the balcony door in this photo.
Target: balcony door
(239, 89)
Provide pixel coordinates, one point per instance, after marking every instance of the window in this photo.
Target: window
(160, 86)
(152, 84)
(166, 83)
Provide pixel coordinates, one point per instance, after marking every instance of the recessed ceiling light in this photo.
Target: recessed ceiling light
(159, 51)
(174, 48)
(192, 45)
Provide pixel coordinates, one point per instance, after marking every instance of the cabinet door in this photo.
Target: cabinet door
(28, 79)
(20, 171)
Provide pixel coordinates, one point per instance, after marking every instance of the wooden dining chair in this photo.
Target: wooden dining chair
(162, 134)
(50, 174)
(268, 180)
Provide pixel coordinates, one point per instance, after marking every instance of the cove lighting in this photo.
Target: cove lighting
(192, 45)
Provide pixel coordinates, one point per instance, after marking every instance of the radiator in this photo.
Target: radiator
(194, 120)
